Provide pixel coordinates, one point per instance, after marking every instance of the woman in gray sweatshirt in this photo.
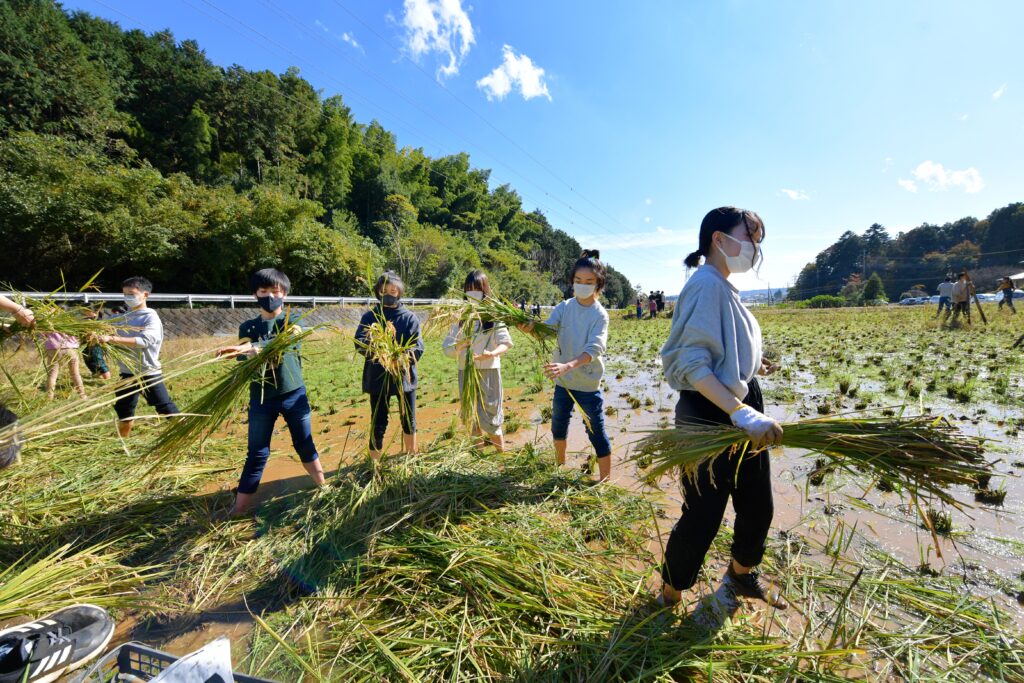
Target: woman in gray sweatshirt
(712, 357)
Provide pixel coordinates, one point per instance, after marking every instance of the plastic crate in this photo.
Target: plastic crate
(133, 662)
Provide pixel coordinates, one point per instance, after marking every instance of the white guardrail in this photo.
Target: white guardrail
(230, 299)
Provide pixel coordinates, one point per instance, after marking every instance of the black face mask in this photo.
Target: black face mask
(389, 300)
(270, 303)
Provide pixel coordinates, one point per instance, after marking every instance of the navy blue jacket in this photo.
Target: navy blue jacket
(407, 328)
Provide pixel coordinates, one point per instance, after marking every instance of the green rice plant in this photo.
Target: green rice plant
(924, 454)
(939, 521)
(962, 391)
(220, 396)
(42, 582)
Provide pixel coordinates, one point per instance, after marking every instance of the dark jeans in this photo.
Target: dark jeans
(380, 405)
(704, 504)
(961, 308)
(294, 408)
(94, 360)
(592, 403)
(152, 387)
(944, 303)
(1007, 301)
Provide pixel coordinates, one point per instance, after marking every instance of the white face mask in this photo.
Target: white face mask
(133, 301)
(474, 294)
(583, 291)
(744, 261)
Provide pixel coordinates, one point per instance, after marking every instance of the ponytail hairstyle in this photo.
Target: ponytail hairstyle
(590, 260)
(724, 219)
(477, 281)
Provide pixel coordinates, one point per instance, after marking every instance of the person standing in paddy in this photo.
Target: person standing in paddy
(282, 392)
(578, 365)
(712, 357)
(377, 383)
(487, 342)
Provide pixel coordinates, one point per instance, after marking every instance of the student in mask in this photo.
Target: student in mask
(487, 342)
(377, 382)
(281, 392)
(578, 364)
(712, 357)
(141, 330)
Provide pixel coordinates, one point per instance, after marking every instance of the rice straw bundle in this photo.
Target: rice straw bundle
(922, 453)
(68, 416)
(51, 317)
(471, 393)
(41, 583)
(382, 346)
(496, 310)
(220, 396)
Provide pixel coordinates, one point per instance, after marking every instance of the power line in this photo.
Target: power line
(547, 210)
(331, 77)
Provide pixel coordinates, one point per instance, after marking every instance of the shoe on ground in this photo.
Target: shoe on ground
(44, 650)
(755, 586)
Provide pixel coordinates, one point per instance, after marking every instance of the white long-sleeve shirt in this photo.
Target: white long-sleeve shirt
(482, 341)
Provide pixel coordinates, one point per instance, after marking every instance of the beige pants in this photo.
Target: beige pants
(54, 359)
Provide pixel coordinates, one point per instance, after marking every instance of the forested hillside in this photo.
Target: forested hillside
(990, 248)
(137, 154)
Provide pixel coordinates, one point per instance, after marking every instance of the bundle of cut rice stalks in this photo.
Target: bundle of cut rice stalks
(221, 396)
(921, 454)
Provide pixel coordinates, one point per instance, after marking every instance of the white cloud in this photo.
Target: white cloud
(321, 25)
(516, 71)
(648, 201)
(647, 219)
(964, 117)
(441, 26)
(795, 195)
(1000, 91)
(351, 40)
(908, 185)
(936, 177)
(886, 164)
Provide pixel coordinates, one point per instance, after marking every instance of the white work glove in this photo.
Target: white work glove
(762, 430)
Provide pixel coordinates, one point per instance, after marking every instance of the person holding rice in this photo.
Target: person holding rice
(390, 367)
(712, 356)
(281, 392)
(487, 341)
(61, 348)
(578, 365)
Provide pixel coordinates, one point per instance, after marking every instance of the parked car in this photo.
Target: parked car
(934, 299)
(989, 297)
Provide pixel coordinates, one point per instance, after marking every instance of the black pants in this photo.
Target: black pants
(152, 387)
(704, 504)
(379, 408)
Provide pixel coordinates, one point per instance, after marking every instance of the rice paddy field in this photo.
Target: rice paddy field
(463, 564)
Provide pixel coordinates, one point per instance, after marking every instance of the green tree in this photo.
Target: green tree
(874, 290)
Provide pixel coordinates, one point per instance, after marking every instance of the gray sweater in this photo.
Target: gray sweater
(581, 329)
(713, 333)
(145, 325)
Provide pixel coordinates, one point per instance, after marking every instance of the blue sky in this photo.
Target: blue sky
(627, 122)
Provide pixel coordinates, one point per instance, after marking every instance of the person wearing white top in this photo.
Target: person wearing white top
(487, 342)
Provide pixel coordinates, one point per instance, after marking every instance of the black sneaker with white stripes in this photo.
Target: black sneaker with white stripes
(44, 650)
